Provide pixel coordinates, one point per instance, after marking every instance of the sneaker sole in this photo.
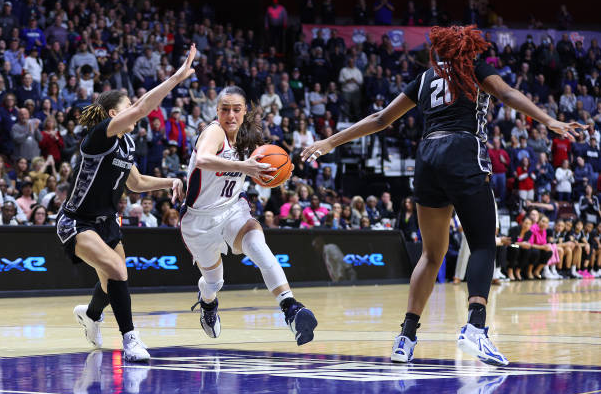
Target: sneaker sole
(135, 359)
(210, 331)
(305, 323)
(398, 358)
(468, 347)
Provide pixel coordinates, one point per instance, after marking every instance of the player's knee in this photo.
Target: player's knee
(116, 270)
(432, 257)
(255, 247)
(207, 287)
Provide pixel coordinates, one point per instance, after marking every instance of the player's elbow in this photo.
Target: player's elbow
(379, 120)
(133, 184)
(202, 161)
(507, 95)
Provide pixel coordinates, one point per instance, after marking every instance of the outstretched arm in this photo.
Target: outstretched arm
(139, 183)
(151, 99)
(495, 85)
(211, 141)
(369, 125)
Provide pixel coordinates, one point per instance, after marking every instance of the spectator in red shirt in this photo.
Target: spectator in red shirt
(175, 130)
(157, 113)
(560, 150)
(52, 142)
(500, 164)
(526, 178)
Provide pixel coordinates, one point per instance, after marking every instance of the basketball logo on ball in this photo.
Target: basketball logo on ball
(278, 159)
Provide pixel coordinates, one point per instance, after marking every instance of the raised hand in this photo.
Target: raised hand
(186, 69)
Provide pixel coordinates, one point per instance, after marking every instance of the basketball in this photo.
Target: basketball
(278, 158)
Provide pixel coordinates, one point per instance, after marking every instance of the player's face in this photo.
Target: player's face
(123, 105)
(231, 111)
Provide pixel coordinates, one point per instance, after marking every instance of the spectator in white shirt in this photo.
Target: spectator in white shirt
(209, 108)
(565, 178)
(567, 101)
(519, 130)
(269, 98)
(302, 137)
(33, 65)
(147, 216)
(193, 121)
(318, 101)
(351, 81)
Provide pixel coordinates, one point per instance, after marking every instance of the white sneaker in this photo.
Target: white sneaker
(546, 274)
(475, 341)
(91, 328)
(597, 273)
(402, 349)
(209, 318)
(501, 275)
(554, 272)
(575, 273)
(133, 347)
(497, 274)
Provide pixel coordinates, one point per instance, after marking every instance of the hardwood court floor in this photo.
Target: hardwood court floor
(554, 322)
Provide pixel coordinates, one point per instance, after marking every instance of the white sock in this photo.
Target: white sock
(254, 246)
(283, 295)
(574, 272)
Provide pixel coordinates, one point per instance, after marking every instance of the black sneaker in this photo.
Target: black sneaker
(209, 318)
(301, 320)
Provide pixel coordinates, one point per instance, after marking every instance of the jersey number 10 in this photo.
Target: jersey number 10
(228, 189)
(436, 96)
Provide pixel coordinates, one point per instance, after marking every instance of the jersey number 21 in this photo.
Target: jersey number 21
(436, 98)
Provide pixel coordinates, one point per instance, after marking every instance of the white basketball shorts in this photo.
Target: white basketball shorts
(207, 234)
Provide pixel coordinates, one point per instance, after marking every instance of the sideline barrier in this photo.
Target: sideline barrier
(31, 258)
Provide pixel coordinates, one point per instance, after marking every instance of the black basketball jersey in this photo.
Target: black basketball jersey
(430, 92)
(103, 170)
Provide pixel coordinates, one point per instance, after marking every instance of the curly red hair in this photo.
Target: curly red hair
(457, 47)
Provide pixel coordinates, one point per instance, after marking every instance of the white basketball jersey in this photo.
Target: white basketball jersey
(208, 190)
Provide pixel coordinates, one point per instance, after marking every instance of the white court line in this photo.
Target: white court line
(24, 392)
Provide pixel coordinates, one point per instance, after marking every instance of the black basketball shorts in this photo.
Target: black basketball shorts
(67, 227)
(449, 166)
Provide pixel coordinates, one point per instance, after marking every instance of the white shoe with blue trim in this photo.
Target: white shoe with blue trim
(475, 341)
(402, 349)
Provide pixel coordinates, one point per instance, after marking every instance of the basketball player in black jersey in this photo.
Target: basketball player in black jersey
(87, 224)
(452, 172)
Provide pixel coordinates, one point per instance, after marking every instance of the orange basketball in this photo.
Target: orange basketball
(279, 159)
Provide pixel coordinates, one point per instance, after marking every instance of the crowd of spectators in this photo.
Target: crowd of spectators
(56, 60)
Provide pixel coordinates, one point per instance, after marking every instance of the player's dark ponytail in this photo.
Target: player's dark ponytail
(249, 135)
(99, 110)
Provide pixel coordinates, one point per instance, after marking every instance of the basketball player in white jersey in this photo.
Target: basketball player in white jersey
(216, 214)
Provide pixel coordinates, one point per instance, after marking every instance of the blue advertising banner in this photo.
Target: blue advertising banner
(31, 258)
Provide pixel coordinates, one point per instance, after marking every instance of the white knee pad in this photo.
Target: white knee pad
(211, 282)
(254, 246)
